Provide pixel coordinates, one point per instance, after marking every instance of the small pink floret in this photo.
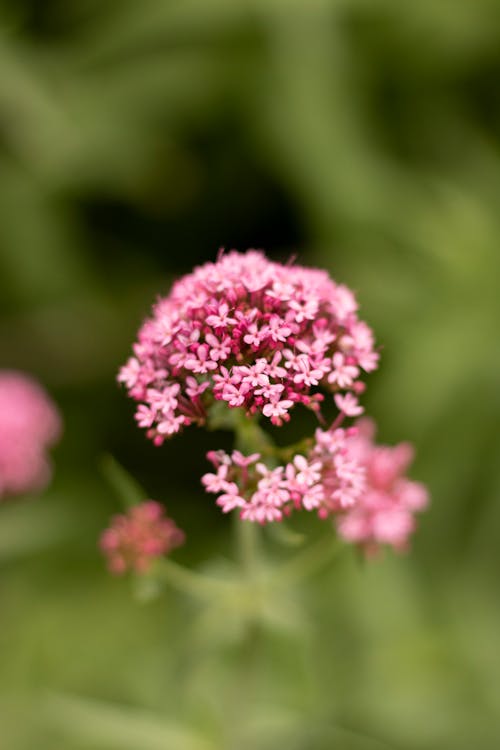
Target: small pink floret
(348, 404)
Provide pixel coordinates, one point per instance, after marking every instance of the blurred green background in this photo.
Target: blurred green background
(136, 138)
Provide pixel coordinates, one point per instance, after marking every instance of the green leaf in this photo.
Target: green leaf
(120, 727)
(129, 491)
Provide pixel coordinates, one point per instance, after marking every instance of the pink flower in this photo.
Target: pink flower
(145, 416)
(343, 373)
(200, 362)
(234, 395)
(385, 511)
(348, 404)
(240, 460)
(195, 389)
(221, 319)
(277, 329)
(309, 473)
(358, 342)
(223, 332)
(137, 537)
(264, 508)
(29, 425)
(129, 373)
(220, 348)
(277, 410)
(254, 337)
(305, 372)
(271, 391)
(273, 368)
(164, 401)
(216, 482)
(303, 310)
(230, 499)
(171, 424)
(313, 497)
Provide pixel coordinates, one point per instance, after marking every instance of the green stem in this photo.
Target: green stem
(189, 582)
(301, 446)
(249, 438)
(128, 491)
(246, 535)
(307, 561)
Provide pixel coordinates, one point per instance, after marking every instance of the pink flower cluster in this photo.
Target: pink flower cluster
(29, 425)
(254, 334)
(136, 538)
(385, 511)
(263, 337)
(326, 480)
(344, 475)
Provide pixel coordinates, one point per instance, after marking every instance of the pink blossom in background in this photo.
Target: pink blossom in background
(252, 333)
(385, 511)
(136, 538)
(29, 425)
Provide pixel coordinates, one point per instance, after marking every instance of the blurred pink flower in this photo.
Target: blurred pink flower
(29, 424)
(385, 511)
(136, 538)
(258, 335)
(348, 404)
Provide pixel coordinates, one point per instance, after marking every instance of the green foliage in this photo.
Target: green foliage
(137, 137)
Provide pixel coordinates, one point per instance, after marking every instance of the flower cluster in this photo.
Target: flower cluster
(385, 511)
(326, 480)
(344, 475)
(254, 334)
(134, 539)
(262, 337)
(29, 425)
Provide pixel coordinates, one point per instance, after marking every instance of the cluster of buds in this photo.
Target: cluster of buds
(136, 538)
(29, 425)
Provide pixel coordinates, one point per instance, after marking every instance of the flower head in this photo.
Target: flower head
(136, 538)
(29, 425)
(252, 333)
(385, 511)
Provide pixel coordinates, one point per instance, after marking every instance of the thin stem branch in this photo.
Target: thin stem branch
(307, 561)
(189, 582)
(127, 489)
